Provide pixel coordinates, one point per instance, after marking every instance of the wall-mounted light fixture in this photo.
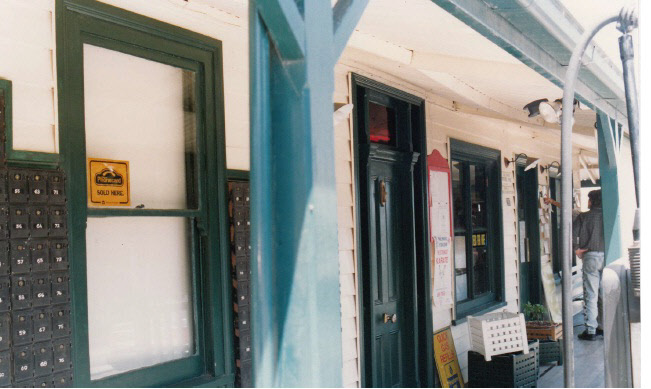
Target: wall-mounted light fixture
(522, 159)
(553, 168)
(550, 112)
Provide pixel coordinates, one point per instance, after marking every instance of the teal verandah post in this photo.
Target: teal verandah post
(609, 186)
(296, 315)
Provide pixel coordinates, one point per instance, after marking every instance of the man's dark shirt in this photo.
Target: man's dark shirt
(589, 229)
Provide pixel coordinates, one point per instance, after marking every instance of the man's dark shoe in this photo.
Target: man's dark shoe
(600, 332)
(586, 336)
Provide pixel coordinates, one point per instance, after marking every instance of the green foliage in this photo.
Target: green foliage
(534, 312)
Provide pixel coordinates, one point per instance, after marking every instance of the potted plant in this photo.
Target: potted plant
(538, 327)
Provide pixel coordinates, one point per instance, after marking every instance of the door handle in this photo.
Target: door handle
(383, 193)
(527, 252)
(392, 318)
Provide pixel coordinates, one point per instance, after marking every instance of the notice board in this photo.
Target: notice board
(440, 226)
(447, 363)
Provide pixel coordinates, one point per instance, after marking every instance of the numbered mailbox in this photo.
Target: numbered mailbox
(18, 222)
(240, 245)
(21, 292)
(22, 329)
(245, 345)
(242, 268)
(247, 246)
(37, 185)
(38, 224)
(23, 363)
(17, 186)
(60, 291)
(239, 219)
(59, 255)
(61, 354)
(63, 379)
(4, 257)
(5, 294)
(5, 368)
(58, 222)
(44, 382)
(25, 384)
(43, 359)
(4, 222)
(20, 257)
(60, 321)
(5, 330)
(41, 289)
(56, 189)
(39, 251)
(3, 186)
(243, 321)
(42, 319)
(237, 194)
(242, 293)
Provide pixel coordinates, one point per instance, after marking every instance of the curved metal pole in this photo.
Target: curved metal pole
(566, 195)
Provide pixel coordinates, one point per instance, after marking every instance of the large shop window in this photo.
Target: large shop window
(477, 227)
(142, 109)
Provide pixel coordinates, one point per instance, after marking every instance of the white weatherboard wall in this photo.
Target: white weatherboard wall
(28, 60)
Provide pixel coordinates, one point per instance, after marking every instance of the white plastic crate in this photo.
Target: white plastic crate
(498, 333)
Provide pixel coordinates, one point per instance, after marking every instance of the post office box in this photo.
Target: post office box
(63, 379)
(240, 245)
(39, 251)
(4, 257)
(3, 186)
(20, 257)
(61, 354)
(42, 319)
(60, 320)
(22, 329)
(5, 368)
(18, 222)
(242, 272)
(239, 219)
(4, 222)
(59, 255)
(5, 294)
(41, 289)
(242, 293)
(5, 330)
(237, 194)
(245, 345)
(60, 291)
(37, 183)
(43, 358)
(17, 185)
(247, 251)
(21, 292)
(58, 222)
(44, 382)
(23, 363)
(29, 383)
(56, 189)
(38, 224)
(246, 374)
(243, 321)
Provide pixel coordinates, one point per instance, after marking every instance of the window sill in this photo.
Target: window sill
(493, 306)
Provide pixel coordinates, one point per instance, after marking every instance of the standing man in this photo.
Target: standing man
(589, 245)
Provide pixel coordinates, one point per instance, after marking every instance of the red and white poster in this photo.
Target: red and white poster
(440, 226)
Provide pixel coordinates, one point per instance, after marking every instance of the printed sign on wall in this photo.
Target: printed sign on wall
(442, 285)
(108, 182)
(445, 356)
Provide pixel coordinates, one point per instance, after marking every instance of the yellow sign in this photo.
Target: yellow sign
(108, 182)
(446, 359)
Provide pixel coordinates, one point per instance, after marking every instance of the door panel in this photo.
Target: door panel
(528, 236)
(392, 250)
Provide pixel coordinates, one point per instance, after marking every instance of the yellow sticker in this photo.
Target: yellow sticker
(447, 363)
(108, 182)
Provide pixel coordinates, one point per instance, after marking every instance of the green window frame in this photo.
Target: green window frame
(467, 155)
(84, 21)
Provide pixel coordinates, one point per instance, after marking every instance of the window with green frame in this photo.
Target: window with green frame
(477, 228)
(150, 279)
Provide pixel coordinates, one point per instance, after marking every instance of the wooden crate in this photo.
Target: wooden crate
(544, 331)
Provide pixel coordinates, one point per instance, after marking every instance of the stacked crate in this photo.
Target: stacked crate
(514, 370)
(241, 258)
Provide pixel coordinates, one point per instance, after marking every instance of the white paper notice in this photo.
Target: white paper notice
(442, 285)
(439, 210)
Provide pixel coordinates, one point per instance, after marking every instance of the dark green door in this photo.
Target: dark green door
(391, 253)
(528, 235)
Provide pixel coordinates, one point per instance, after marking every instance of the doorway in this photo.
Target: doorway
(528, 235)
(391, 231)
